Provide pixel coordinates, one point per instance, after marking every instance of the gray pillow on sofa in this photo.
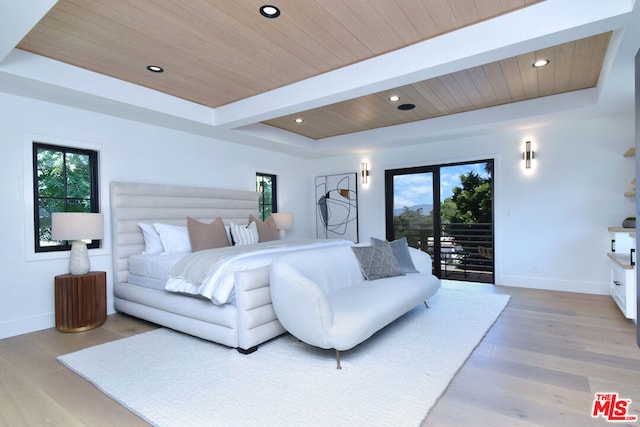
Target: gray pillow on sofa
(377, 262)
(400, 250)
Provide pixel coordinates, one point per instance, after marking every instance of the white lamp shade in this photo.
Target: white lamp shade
(283, 220)
(77, 226)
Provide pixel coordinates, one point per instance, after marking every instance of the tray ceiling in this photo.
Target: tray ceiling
(573, 66)
(217, 53)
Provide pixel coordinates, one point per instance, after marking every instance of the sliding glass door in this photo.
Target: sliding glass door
(446, 211)
(410, 207)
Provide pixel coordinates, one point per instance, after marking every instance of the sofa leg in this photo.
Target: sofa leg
(425, 304)
(247, 350)
(338, 359)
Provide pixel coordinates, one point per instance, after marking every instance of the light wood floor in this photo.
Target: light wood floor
(540, 364)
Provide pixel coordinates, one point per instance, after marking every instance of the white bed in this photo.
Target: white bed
(246, 322)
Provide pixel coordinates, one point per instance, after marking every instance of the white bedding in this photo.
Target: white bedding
(154, 266)
(218, 284)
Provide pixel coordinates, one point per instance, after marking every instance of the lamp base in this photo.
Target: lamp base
(79, 258)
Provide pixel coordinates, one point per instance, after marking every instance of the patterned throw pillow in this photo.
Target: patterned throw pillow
(244, 235)
(377, 262)
(400, 249)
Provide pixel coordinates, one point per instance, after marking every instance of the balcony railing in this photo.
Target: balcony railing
(465, 250)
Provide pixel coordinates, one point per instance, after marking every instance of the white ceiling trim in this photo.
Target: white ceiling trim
(66, 76)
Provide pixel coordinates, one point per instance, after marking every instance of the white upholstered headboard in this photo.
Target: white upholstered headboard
(132, 203)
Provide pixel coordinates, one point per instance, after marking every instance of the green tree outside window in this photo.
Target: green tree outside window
(267, 200)
(65, 180)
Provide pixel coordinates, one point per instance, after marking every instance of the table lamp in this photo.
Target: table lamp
(284, 222)
(77, 226)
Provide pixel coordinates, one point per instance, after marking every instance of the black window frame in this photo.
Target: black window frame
(261, 198)
(94, 192)
(435, 170)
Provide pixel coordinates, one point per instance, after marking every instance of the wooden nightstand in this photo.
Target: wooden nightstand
(81, 301)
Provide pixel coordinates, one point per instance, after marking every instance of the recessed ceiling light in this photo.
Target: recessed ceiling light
(406, 107)
(155, 68)
(394, 98)
(269, 11)
(540, 63)
(299, 120)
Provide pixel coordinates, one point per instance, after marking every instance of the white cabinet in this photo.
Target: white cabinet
(622, 260)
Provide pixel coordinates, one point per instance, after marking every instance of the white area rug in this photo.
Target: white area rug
(393, 379)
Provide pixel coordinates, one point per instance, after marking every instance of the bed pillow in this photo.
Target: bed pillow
(227, 229)
(244, 235)
(206, 236)
(174, 238)
(377, 262)
(400, 250)
(152, 242)
(267, 229)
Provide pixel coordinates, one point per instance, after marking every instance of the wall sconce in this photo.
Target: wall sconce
(364, 173)
(528, 155)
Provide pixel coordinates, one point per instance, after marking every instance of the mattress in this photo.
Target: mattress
(152, 270)
(147, 282)
(211, 273)
(159, 271)
(153, 266)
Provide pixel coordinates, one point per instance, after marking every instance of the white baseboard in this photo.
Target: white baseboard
(26, 325)
(597, 288)
(16, 327)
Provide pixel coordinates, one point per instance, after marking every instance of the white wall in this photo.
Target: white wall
(129, 151)
(551, 226)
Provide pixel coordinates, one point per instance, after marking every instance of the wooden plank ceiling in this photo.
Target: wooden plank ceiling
(573, 66)
(216, 52)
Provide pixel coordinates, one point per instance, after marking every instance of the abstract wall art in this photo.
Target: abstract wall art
(337, 207)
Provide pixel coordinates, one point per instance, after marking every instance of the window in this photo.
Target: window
(65, 180)
(266, 188)
(447, 211)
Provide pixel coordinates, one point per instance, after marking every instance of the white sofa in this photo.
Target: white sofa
(322, 297)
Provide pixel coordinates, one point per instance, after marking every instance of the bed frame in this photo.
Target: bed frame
(244, 325)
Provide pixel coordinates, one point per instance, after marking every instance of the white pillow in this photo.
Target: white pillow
(174, 238)
(152, 242)
(244, 235)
